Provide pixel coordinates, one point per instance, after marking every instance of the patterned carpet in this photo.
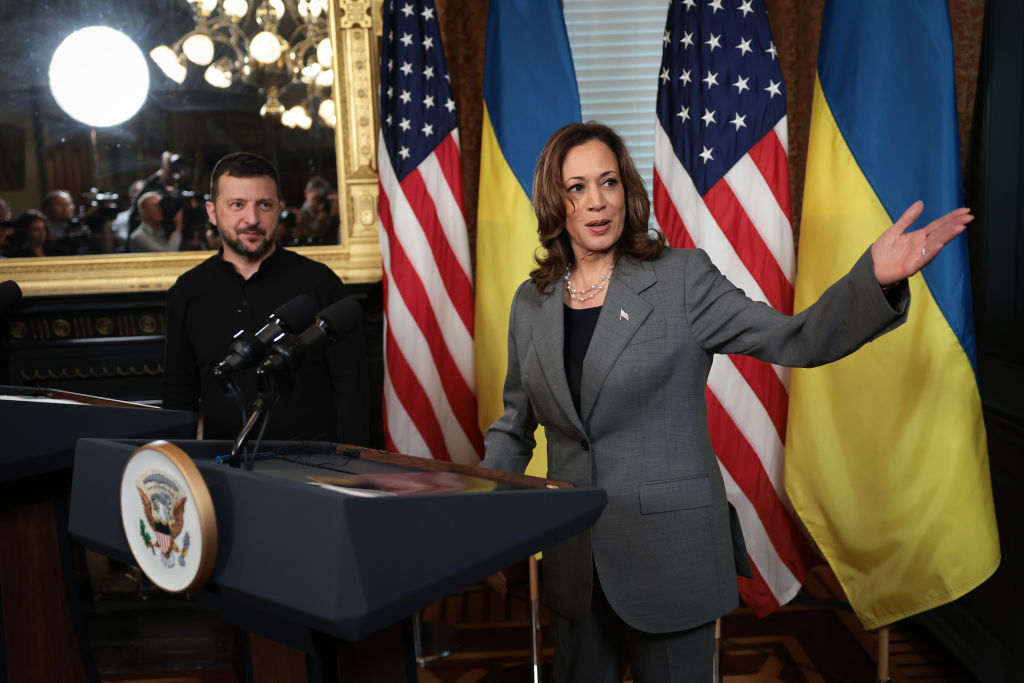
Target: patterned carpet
(815, 639)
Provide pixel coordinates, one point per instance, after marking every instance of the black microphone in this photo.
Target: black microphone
(10, 294)
(248, 349)
(332, 323)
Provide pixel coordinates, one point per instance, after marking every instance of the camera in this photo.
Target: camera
(193, 219)
(178, 168)
(103, 205)
(286, 221)
(180, 195)
(176, 200)
(324, 202)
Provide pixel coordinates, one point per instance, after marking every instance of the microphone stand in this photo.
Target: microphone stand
(235, 459)
(260, 416)
(272, 374)
(223, 374)
(269, 392)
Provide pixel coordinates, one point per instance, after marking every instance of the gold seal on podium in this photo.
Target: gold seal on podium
(168, 517)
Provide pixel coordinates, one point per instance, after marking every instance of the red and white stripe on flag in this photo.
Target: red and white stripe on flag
(721, 183)
(429, 400)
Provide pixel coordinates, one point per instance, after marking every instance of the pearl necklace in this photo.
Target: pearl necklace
(588, 292)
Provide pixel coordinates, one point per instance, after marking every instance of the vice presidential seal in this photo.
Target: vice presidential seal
(168, 517)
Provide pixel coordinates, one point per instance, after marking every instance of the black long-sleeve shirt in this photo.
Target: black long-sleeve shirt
(328, 397)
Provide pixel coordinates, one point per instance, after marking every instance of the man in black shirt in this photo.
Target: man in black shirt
(237, 289)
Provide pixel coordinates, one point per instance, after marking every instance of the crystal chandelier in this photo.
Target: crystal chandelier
(266, 60)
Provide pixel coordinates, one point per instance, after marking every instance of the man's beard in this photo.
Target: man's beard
(239, 247)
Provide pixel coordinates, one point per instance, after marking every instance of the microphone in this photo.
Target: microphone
(10, 294)
(332, 323)
(248, 349)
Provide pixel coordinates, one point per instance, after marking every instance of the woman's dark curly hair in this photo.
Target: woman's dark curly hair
(550, 196)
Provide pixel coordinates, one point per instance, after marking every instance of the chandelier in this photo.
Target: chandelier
(266, 60)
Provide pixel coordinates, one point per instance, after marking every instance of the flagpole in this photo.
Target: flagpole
(882, 674)
(716, 675)
(535, 644)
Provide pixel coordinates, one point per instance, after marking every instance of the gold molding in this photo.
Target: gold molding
(356, 259)
(119, 273)
(355, 58)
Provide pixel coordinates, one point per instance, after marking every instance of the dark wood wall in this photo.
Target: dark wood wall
(985, 628)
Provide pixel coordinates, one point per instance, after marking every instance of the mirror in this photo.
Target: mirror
(42, 148)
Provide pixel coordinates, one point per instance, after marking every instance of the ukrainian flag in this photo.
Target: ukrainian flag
(529, 93)
(886, 454)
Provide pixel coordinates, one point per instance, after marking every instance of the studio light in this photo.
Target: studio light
(99, 76)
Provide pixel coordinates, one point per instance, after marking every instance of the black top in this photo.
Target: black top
(579, 329)
(328, 398)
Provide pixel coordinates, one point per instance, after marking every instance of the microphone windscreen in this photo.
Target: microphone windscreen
(341, 317)
(10, 294)
(296, 314)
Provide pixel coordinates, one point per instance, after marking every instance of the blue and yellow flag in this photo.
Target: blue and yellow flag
(529, 93)
(886, 454)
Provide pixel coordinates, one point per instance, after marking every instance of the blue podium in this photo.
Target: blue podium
(41, 637)
(322, 544)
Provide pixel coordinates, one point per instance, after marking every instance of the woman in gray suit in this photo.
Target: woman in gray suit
(610, 344)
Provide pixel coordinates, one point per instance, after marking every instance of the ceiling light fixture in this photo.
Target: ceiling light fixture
(221, 42)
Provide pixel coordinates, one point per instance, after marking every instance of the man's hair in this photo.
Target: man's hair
(318, 183)
(49, 198)
(243, 165)
(145, 197)
(550, 196)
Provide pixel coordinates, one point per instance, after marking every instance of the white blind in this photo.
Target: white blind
(616, 49)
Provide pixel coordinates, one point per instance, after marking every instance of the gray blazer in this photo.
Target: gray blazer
(663, 547)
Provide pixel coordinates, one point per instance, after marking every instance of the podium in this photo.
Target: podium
(40, 426)
(40, 633)
(312, 567)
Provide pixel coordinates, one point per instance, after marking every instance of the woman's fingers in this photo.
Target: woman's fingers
(909, 216)
(898, 254)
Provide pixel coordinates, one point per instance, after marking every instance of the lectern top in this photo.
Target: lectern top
(45, 395)
(292, 553)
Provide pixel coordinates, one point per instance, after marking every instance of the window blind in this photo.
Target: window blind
(616, 49)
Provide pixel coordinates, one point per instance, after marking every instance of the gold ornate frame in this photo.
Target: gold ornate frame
(355, 259)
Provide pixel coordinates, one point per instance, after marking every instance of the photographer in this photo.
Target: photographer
(150, 235)
(172, 180)
(317, 220)
(66, 235)
(119, 230)
(97, 215)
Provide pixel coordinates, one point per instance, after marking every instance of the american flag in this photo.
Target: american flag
(721, 183)
(429, 402)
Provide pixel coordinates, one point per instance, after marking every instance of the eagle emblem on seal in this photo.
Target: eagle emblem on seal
(163, 502)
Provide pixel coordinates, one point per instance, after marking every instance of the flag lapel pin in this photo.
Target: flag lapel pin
(623, 315)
